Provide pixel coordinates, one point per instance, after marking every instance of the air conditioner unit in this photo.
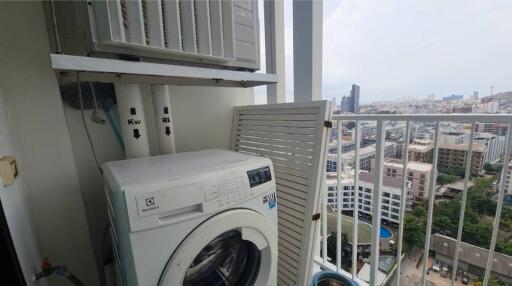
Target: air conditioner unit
(214, 33)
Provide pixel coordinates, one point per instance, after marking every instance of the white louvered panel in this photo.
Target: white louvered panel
(188, 26)
(276, 142)
(291, 226)
(285, 176)
(246, 29)
(155, 25)
(282, 136)
(292, 192)
(279, 148)
(228, 30)
(293, 136)
(135, 22)
(292, 185)
(291, 204)
(171, 12)
(309, 124)
(292, 172)
(116, 20)
(292, 198)
(202, 17)
(216, 32)
(217, 37)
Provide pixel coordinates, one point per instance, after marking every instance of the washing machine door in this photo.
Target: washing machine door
(236, 247)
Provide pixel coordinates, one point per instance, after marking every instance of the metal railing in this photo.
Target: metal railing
(322, 258)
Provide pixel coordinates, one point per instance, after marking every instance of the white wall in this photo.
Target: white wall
(39, 127)
(15, 207)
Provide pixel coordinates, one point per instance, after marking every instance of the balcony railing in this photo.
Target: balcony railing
(379, 172)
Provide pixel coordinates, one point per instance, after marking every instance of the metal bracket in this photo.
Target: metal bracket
(328, 124)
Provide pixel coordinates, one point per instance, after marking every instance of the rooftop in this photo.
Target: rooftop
(474, 255)
(411, 165)
(367, 177)
(420, 148)
(463, 147)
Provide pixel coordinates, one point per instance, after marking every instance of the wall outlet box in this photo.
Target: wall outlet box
(8, 169)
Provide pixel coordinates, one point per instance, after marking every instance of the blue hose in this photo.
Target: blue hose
(113, 124)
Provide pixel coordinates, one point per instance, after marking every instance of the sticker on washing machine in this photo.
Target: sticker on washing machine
(270, 199)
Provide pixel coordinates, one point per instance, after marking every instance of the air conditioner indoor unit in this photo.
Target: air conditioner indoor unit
(213, 33)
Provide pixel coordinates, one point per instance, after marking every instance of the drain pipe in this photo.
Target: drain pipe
(163, 119)
(132, 120)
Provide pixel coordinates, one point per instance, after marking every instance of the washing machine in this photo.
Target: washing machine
(195, 218)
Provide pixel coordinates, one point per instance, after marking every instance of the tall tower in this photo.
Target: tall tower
(354, 98)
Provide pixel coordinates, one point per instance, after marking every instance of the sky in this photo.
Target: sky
(397, 49)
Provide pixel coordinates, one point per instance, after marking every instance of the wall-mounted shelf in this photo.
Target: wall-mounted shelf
(113, 70)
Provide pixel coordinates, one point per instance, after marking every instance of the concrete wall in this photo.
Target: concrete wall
(14, 202)
(63, 186)
(39, 127)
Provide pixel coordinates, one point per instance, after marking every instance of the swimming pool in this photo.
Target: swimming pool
(385, 233)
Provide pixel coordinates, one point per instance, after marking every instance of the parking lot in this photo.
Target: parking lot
(410, 275)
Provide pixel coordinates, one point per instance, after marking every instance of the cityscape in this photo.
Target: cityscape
(487, 161)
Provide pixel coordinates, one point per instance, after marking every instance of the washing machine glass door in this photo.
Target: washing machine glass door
(227, 260)
(233, 248)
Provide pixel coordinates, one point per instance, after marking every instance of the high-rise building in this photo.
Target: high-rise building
(391, 192)
(351, 103)
(453, 97)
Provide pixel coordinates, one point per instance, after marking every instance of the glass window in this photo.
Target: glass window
(386, 195)
(396, 197)
(226, 258)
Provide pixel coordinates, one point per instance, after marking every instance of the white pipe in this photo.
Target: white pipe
(163, 119)
(132, 120)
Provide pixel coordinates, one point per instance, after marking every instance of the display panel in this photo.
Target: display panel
(259, 176)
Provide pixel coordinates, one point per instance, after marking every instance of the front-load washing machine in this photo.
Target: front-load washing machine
(195, 218)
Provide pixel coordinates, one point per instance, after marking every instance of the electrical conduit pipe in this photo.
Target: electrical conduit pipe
(163, 119)
(132, 120)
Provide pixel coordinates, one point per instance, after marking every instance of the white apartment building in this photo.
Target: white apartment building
(494, 146)
(346, 146)
(418, 175)
(366, 154)
(453, 137)
(391, 194)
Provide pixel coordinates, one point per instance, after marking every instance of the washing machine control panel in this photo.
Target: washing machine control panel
(237, 186)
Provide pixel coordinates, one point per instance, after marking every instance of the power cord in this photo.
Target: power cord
(82, 115)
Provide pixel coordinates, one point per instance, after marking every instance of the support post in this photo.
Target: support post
(275, 49)
(307, 50)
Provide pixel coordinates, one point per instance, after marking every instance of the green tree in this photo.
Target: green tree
(493, 168)
(504, 247)
(414, 227)
(478, 234)
(443, 179)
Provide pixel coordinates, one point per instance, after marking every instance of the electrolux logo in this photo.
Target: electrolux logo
(150, 204)
(150, 201)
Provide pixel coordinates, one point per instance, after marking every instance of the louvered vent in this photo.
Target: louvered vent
(212, 28)
(293, 136)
